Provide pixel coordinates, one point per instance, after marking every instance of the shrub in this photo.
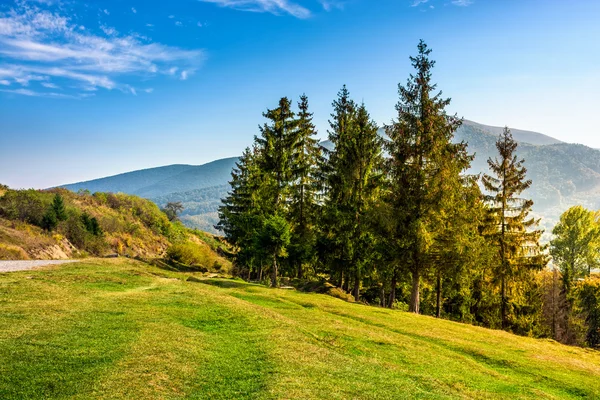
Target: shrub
(588, 296)
(191, 254)
(8, 252)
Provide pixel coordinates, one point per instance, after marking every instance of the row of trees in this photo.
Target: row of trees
(394, 221)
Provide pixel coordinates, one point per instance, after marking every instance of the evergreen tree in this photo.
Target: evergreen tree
(58, 206)
(363, 153)
(239, 215)
(305, 156)
(274, 146)
(512, 231)
(421, 155)
(336, 219)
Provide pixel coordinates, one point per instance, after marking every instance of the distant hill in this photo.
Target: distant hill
(159, 181)
(563, 175)
(519, 135)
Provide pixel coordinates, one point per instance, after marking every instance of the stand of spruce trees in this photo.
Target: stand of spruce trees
(392, 219)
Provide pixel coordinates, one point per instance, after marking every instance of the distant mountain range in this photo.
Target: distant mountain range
(563, 175)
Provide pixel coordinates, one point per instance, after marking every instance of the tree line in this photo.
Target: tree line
(392, 218)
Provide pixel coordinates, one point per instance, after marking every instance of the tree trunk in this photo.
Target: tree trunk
(300, 275)
(503, 305)
(260, 273)
(249, 273)
(393, 291)
(346, 285)
(340, 282)
(414, 296)
(438, 289)
(356, 289)
(274, 272)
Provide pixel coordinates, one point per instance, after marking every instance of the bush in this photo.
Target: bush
(588, 296)
(191, 254)
(12, 253)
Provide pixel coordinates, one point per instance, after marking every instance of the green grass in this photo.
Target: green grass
(121, 329)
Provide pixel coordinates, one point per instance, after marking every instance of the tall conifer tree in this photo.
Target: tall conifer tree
(511, 229)
(305, 156)
(421, 153)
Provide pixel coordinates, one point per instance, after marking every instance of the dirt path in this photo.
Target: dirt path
(10, 266)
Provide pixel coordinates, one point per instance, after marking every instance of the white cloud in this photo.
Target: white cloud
(149, 90)
(106, 11)
(418, 2)
(49, 85)
(200, 24)
(185, 74)
(171, 16)
(178, 23)
(133, 10)
(276, 7)
(32, 93)
(329, 5)
(39, 45)
(149, 25)
(108, 31)
(462, 3)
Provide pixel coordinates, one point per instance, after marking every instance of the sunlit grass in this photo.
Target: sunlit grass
(123, 329)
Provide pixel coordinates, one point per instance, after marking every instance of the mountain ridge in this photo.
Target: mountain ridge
(563, 175)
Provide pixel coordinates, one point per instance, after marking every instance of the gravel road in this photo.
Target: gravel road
(10, 266)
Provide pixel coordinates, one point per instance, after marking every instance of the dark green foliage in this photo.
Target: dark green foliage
(353, 172)
(305, 155)
(49, 220)
(58, 206)
(91, 224)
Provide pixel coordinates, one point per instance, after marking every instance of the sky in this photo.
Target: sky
(95, 88)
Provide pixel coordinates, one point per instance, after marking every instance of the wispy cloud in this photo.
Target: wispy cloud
(33, 93)
(462, 3)
(329, 5)
(276, 7)
(133, 10)
(417, 3)
(40, 45)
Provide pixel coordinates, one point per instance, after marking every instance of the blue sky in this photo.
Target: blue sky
(90, 89)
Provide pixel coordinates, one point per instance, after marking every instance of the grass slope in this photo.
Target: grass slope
(121, 329)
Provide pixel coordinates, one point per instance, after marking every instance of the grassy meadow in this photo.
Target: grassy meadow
(120, 329)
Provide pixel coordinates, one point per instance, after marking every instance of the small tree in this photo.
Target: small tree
(58, 206)
(172, 209)
(576, 244)
(273, 239)
(49, 221)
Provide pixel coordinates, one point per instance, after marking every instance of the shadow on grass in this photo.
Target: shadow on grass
(227, 283)
(174, 266)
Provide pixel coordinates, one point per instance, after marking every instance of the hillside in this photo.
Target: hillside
(98, 225)
(563, 175)
(122, 329)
